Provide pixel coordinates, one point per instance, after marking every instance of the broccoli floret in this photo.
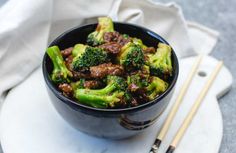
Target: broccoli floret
(78, 50)
(156, 87)
(105, 24)
(131, 57)
(60, 73)
(145, 87)
(138, 81)
(139, 42)
(146, 69)
(88, 56)
(160, 62)
(110, 96)
(126, 36)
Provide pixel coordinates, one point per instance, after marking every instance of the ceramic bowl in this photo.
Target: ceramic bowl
(108, 123)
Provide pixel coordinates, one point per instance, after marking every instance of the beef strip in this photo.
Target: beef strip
(111, 47)
(149, 50)
(115, 37)
(79, 75)
(122, 41)
(105, 69)
(66, 52)
(92, 84)
(134, 102)
(66, 89)
(140, 95)
(111, 36)
(68, 61)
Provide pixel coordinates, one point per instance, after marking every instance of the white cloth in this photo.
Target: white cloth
(27, 26)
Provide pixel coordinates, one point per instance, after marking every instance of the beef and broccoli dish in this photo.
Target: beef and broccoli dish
(112, 69)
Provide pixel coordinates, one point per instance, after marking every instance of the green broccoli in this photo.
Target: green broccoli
(160, 62)
(78, 50)
(78, 84)
(125, 36)
(87, 56)
(110, 96)
(138, 81)
(156, 87)
(105, 24)
(139, 42)
(131, 57)
(60, 73)
(145, 70)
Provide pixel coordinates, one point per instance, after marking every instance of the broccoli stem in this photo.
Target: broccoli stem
(108, 89)
(98, 101)
(55, 55)
(106, 24)
(60, 72)
(109, 96)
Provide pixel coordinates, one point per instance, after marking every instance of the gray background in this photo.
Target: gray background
(219, 15)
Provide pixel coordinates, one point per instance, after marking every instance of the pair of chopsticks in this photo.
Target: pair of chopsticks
(192, 111)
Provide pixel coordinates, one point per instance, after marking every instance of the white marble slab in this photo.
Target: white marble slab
(30, 124)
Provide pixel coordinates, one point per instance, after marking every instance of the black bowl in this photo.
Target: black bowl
(108, 123)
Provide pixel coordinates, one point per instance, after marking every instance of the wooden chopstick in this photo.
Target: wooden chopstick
(194, 109)
(175, 106)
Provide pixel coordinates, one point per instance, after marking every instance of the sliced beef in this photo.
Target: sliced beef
(66, 52)
(92, 84)
(66, 89)
(105, 69)
(122, 40)
(111, 47)
(68, 61)
(134, 102)
(111, 36)
(79, 75)
(140, 95)
(115, 37)
(149, 50)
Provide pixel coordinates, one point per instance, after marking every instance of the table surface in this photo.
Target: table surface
(220, 16)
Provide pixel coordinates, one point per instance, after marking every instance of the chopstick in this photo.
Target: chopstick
(175, 107)
(193, 110)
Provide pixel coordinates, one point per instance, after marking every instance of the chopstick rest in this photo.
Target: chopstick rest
(193, 110)
(175, 106)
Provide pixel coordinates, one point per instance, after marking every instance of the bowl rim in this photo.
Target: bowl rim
(69, 101)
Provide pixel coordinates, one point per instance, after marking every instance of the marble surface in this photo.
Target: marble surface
(24, 133)
(219, 15)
